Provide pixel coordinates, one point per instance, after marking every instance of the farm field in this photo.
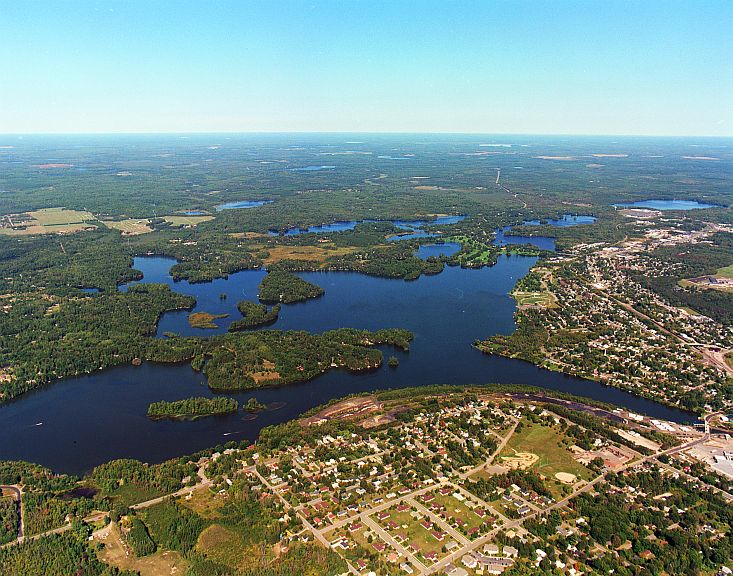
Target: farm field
(48, 221)
(131, 226)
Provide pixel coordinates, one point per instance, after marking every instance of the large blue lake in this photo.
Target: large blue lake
(76, 424)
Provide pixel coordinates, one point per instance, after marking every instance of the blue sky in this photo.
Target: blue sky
(495, 66)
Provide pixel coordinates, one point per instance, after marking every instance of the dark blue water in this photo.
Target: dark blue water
(566, 221)
(666, 205)
(241, 204)
(542, 242)
(435, 250)
(343, 225)
(91, 419)
(502, 237)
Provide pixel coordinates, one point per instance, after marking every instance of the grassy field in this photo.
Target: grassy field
(116, 553)
(179, 220)
(204, 503)
(130, 227)
(726, 272)
(545, 443)
(309, 253)
(49, 221)
(60, 216)
(729, 360)
(533, 298)
(225, 546)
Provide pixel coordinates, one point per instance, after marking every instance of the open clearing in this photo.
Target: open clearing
(726, 272)
(47, 221)
(116, 553)
(130, 227)
(524, 299)
(309, 253)
(545, 442)
(204, 503)
(180, 220)
(59, 216)
(225, 546)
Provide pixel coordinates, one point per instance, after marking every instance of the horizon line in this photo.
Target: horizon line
(365, 132)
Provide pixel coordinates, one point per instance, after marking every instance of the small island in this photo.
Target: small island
(253, 405)
(255, 315)
(393, 362)
(192, 408)
(281, 286)
(204, 319)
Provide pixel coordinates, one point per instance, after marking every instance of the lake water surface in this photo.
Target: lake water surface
(76, 424)
(666, 205)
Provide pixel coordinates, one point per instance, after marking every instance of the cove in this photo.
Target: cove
(241, 204)
(74, 425)
(666, 205)
(503, 237)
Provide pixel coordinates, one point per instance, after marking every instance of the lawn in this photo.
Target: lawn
(415, 532)
(458, 510)
(544, 441)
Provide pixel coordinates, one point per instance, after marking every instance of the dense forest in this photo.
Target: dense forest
(9, 519)
(255, 315)
(58, 555)
(270, 358)
(192, 407)
(282, 286)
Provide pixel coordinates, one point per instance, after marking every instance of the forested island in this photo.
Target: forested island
(192, 408)
(255, 315)
(281, 286)
(204, 320)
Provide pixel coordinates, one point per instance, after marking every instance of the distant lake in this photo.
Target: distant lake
(542, 242)
(344, 225)
(241, 204)
(312, 168)
(76, 424)
(666, 205)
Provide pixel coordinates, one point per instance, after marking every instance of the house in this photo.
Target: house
(469, 561)
(455, 571)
